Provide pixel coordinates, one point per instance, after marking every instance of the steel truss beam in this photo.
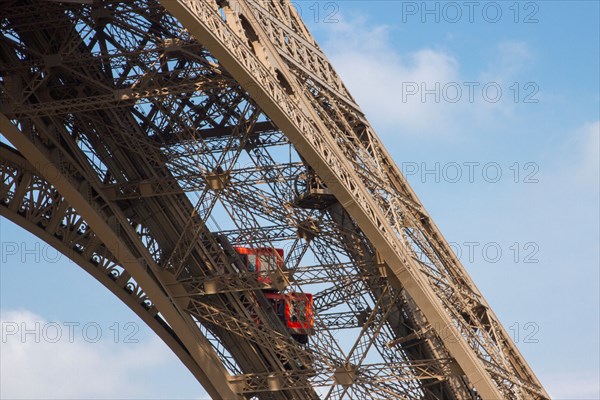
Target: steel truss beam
(206, 365)
(370, 373)
(211, 256)
(181, 134)
(58, 224)
(383, 212)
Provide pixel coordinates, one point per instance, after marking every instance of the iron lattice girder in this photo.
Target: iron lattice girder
(124, 98)
(191, 182)
(60, 153)
(302, 386)
(296, 46)
(259, 128)
(280, 65)
(371, 373)
(174, 290)
(204, 364)
(308, 126)
(58, 224)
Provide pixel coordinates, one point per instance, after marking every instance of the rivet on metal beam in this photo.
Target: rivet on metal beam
(345, 375)
(275, 383)
(308, 229)
(218, 180)
(52, 60)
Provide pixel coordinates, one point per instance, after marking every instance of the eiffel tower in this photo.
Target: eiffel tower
(152, 140)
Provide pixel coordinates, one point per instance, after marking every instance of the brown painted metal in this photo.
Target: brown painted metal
(156, 123)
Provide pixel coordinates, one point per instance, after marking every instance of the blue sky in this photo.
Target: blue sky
(512, 180)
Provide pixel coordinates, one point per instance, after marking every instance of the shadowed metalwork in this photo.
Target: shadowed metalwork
(149, 137)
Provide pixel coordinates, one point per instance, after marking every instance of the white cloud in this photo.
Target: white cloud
(377, 76)
(392, 87)
(579, 156)
(589, 144)
(581, 385)
(510, 59)
(37, 365)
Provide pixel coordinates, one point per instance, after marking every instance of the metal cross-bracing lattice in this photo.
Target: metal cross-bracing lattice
(150, 139)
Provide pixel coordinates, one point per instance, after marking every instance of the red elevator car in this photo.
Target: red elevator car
(295, 310)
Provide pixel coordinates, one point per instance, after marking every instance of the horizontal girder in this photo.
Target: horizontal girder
(182, 131)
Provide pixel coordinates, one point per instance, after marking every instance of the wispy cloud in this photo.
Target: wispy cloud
(588, 138)
(378, 76)
(581, 385)
(577, 159)
(37, 366)
(510, 58)
(423, 91)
